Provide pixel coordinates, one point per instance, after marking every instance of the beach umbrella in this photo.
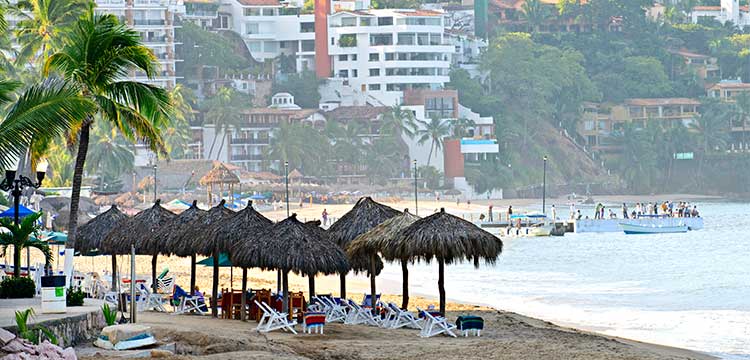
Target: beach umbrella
(223, 261)
(137, 231)
(291, 246)
(365, 215)
(90, 235)
(447, 239)
(176, 237)
(22, 212)
(204, 243)
(382, 237)
(243, 226)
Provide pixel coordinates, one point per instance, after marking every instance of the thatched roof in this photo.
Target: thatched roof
(383, 236)
(90, 235)
(294, 246)
(203, 242)
(295, 174)
(359, 263)
(365, 215)
(219, 175)
(444, 236)
(175, 237)
(246, 224)
(136, 230)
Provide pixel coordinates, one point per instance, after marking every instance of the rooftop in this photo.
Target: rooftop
(732, 85)
(662, 101)
(346, 113)
(686, 53)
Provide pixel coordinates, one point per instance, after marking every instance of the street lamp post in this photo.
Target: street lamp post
(544, 186)
(416, 203)
(154, 181)
(286, 189)
(16, 186)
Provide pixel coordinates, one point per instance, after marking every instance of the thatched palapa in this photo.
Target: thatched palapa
(205, 244)
(365, 215)
(447, 239)
(91, 234)
(244, 225)
(292, 246)
(175, 237)
(384, 236)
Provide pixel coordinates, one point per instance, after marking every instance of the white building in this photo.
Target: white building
(728, 11)
(271, 28)
(155, 21)
(384, 52)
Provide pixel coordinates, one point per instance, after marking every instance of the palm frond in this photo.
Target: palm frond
(7, 87)
(47, 109)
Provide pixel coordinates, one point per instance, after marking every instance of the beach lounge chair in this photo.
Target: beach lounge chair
(435, 325)
(397, 318)
(360, 315)
(274, 320)
(333, 309)
(186, 303)
(313, 321)
(367, 300)
(470, 323)
(151, 301)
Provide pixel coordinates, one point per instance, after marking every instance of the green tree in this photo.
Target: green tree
(645, 77)
(60, 169)
(19, 236)
(98, 51)
(223, 111)
(461, 127)
(303, 86)
(433, 131)
(109, 153)
(42, 24)
(535, 13)
(638, 161)
(179, 135)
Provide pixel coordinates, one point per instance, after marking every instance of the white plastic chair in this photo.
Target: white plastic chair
(334, 311)
(398, 318)
(435, 325)
(273, 320)
(360, 315)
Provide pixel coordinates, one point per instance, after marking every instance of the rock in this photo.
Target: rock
(6, 336)
(156, 353)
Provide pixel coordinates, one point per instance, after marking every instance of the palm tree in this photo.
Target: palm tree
(287, 144)
(535, 13)
(98, 53)
(43, 22)
(434, 131)
(461, 127)
(19, 236)
(109, 154)
(178, 136)
(60, 170)
(223, 111)
(742, 113)
(398, 122)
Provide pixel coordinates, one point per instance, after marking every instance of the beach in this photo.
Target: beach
(509, 335)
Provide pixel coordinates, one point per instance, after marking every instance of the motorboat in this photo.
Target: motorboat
(632, 229)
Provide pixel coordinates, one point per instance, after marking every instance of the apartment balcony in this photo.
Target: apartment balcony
(249, 141)
(246, 157)
(479, 146)
(149, 22)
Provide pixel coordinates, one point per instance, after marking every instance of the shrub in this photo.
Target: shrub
(74, 297)
(35, 334)
(17, 288)
(110, 315)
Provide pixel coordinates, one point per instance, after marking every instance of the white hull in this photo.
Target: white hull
(641, 229)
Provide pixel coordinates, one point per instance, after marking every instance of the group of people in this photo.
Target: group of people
(666, 208)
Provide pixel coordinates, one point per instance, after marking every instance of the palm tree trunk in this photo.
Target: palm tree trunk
(373, 291)
(115, 278)
(213, 142)
(154, 284)
(429, 156)
(311, 285)
(221, 147)
(75, 196)
(17, 261)
(441, 285)
(405, 285)
(285, 288)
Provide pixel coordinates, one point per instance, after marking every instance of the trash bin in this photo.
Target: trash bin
(53, 294)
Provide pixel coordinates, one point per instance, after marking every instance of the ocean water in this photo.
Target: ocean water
(687, 290)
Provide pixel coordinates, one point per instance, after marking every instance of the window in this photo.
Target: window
(270, 46)
(354, 73)
(348, 40)
(254, 46)
(381, 39)
(251, 28)
(423, 39)
(406, 39)
(373, 87)
(308, 45)
(602, 125)
(436, 39)
(267, 12)
(343, 57)
(251, 12)
(343, 73)
(365, 21)
(389, 56)
(588, 125)
(395, 87)
(348, 21)
(431, 21)
(374, 57)
(374, 72)
(385, 21)
(354, 57)
(307, 27)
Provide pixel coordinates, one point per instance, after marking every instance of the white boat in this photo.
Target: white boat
(632, 229)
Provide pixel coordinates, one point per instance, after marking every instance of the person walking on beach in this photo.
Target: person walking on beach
(490, 212)
(554, 213)
(572, 211)
(597, 211)
(325, 217)
(624, 211)
(510, 212)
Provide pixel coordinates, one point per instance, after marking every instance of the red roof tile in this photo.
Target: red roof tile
(346, 113)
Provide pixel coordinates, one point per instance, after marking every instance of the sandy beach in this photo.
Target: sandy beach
(507, 336)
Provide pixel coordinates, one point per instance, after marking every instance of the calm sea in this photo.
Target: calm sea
(686, 290)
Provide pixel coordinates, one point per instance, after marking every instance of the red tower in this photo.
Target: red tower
(322, 59)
